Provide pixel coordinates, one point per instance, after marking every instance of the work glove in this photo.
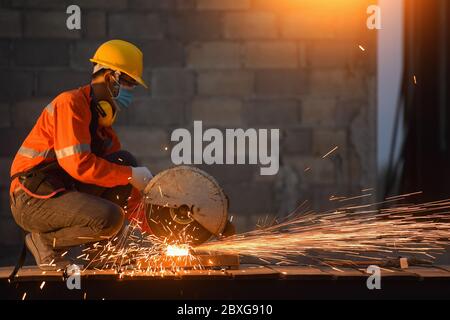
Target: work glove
(140, 177)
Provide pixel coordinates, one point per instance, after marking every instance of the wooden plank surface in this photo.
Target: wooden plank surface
(272, 271)
(344, 272)
(393, 273)
(204, 274)
(200, 260)
(304, 272)
(30, 272)
(5, 272)
(254, 271)
(443, 267)
(429, 272)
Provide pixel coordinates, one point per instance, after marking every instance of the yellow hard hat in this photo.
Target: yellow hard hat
(122, 56)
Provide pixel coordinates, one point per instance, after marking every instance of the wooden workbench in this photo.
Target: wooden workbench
(247, 282)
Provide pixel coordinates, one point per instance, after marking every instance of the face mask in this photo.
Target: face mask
(124, 98)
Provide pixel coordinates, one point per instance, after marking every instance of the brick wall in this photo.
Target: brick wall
(288, 64)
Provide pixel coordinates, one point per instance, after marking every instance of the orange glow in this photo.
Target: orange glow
(177, 250)
(310, 4)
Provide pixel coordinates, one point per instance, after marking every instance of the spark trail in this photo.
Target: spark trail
(359, 232)
(356, 233)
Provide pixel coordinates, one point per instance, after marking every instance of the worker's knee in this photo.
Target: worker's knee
(111, 220)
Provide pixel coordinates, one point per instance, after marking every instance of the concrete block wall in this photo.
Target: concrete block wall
(295, 65)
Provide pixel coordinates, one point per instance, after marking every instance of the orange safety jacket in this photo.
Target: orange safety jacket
(62, 133)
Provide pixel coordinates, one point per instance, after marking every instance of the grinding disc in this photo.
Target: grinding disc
(185, 204)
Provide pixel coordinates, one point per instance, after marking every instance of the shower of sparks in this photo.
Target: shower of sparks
(404, 195)
(342, 199)
(352, 232)
(358, 232)
(160, 192)
(134, 252)
(177, 250)
(362, 48)
(330, 152)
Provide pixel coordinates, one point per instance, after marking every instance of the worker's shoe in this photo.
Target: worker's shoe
(46, 258)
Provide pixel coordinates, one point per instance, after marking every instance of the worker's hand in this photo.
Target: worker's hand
(140, 177)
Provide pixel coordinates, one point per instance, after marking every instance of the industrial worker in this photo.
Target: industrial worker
(70, 180)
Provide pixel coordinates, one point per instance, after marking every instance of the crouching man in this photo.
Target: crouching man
(70, 180)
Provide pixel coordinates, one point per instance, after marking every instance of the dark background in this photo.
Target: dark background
(288, 64)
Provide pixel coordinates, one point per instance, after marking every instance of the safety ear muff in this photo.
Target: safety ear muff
(106, 114)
